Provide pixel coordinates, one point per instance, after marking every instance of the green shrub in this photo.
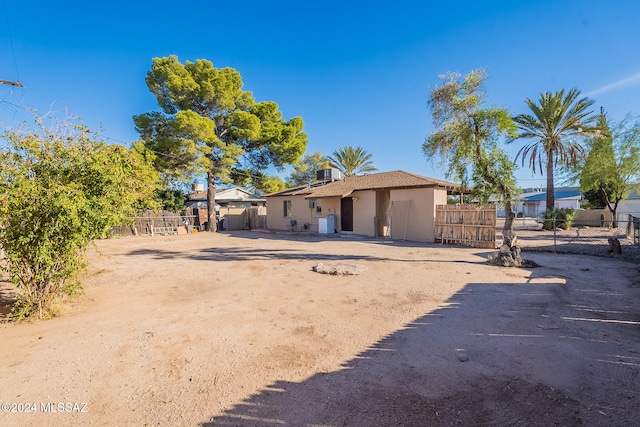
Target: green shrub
(549, 217)
(570, 215)
(58, 192)
(563, 218)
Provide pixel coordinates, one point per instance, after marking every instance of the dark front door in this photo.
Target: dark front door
(346, 213)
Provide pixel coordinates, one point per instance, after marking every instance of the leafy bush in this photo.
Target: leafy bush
(59, 191)
(171, 199)
(563, 218)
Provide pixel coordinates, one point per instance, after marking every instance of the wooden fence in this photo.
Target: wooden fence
(466, 225)
(232, 218)
(165, 222)
(154, 222)
(257, 217)
(243, 218)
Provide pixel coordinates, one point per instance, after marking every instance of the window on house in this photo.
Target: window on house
(318, 206)
(287, 207)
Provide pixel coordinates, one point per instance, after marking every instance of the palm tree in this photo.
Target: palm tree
(558, 124)
(352, 160)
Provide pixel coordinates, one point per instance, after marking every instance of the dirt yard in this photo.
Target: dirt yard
(236, 329)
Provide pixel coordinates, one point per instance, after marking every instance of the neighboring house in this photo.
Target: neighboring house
(533, 203)
(397, 204)
(231, 206)
(629, 206)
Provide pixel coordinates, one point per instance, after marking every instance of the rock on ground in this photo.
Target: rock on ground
(339, 269)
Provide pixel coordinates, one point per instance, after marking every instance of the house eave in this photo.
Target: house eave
(389, 188)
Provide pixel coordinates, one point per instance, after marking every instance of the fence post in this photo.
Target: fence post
(636, 231)
(554, 236)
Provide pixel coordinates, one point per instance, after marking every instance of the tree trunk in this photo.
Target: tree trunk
(614, 213)
(212, 222)
(509, 254)
(550, 187)
(508, 236)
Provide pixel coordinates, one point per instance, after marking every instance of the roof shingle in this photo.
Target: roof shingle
(376, 181)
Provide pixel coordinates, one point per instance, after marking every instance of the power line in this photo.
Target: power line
(5, 105)
(13, 52)
(16, 111)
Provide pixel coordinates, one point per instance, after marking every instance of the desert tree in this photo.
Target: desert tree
(60, 188)
(304, 172)
(272, 184)
(557, 124)
(209, 123)
(352, 160)
(612, 167)
(171, 199)
(257, 181)
(467, 138)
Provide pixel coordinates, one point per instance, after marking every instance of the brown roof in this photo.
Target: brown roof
(375, 181)
(296, 191)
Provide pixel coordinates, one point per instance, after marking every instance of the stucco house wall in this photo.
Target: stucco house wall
(537, 208)
(628, 207)
(364, 211)
(301, 212)
(567, 204)
(372, 197)
(420, 225)
(278, 219)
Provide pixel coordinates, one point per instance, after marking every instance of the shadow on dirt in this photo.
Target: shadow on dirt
(7, 298)
(254, 254)
(250, 253)
(571, 364)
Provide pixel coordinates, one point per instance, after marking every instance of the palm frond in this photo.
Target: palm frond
(557, 123)
(352, 160)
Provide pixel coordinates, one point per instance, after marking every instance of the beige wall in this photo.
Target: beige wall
(440, 197)
(364, 211)
(421, 219)
(592, 217)
(420, 225)
(300, 211)
(405, 218)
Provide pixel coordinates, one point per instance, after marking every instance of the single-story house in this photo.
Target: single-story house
(232, 197)
(231, 207)
(388, 204)
(533, 202)
(629, 206)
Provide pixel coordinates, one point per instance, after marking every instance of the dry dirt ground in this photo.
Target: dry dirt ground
(236, 329)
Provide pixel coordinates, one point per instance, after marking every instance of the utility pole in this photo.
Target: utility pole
(11, 83)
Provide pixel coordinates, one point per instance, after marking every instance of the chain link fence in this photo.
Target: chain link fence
(602, 238)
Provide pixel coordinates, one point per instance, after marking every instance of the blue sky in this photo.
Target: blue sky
(357, 72)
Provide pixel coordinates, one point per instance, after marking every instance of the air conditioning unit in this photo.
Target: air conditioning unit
(332, 174)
